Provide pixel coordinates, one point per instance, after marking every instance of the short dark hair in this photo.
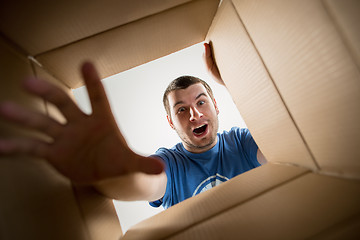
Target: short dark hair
(183, 82)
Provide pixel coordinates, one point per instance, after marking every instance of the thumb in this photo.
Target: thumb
(207, 50)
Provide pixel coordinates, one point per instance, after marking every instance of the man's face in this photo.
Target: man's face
(194, 116)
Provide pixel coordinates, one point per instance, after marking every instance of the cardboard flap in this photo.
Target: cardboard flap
(213, 203)
(254, 92)
(315, 74)
(36, 201)
(136, 43)
(50, 25)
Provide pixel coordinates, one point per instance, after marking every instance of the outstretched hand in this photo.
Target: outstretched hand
(211, 65)
(87, 148)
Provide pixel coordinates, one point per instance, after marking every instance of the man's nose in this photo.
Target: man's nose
(195, 114)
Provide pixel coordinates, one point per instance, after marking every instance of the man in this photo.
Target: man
(90, 149)
(204, 158)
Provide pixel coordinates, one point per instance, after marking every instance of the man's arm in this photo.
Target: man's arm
(134, 187)
(214, 72)
(88, 149)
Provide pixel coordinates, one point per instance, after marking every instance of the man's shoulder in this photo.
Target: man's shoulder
(235, 136)
(234, 131)
(175, 148)
(175, 151)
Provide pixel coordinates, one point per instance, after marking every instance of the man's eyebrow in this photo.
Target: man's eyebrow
(201, 94)
(177, 103)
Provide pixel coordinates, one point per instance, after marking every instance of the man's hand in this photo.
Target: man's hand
(87, 148)
(211, 65)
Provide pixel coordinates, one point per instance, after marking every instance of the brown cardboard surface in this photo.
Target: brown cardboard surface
(292, 68)
(50, 25)
(298, 209)
(315, 75)
(36, 202)
(346, 17)
(13, 69)
(253, 91)
(348, 229)
(209, 204)
(133, 44)
(98, 212)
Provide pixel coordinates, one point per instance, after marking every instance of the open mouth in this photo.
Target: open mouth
(200, 130)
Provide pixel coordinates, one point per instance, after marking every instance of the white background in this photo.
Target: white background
(136, 100)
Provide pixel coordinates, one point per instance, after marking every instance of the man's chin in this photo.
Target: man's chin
(202, 147)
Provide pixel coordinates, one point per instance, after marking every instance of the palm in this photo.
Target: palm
(86, 143)
(211, 65)
(88, 147)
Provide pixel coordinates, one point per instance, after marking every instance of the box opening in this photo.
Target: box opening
(136, 100)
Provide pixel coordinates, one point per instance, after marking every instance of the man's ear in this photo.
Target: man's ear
(216, 107)
(170, 122)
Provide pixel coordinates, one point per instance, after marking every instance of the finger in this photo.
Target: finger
(97, 95)
(54, 95)
(207, 52)
(30, 119)
(207, 56)
(32, 147)
(211, 65)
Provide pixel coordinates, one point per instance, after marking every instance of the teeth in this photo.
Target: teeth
(200, 126)
(200, 130)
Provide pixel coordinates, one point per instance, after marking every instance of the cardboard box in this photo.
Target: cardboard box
(292, 68)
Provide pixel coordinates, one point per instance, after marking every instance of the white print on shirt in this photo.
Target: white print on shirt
(209, 183)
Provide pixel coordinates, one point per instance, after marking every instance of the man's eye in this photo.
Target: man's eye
(181, 109)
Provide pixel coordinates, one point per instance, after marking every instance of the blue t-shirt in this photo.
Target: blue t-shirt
(189, 174)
